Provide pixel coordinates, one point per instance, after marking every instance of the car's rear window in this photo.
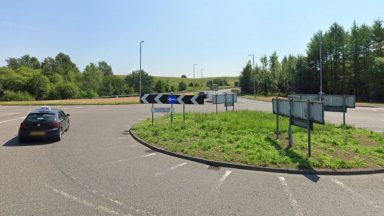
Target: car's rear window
(34, 117)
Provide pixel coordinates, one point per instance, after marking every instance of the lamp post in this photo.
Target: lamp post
(194, 77)
(141, 42)
(321, 67)
(254, 78)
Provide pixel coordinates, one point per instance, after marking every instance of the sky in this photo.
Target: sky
(217, 35)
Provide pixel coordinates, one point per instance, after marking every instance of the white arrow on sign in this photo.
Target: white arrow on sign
(144, 98)
(193, 99)
(157, 98)
(180, 99)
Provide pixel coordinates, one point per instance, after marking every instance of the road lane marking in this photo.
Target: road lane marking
(341, 184)
(292, 201)
(11, 120)
(221, 181)
(170, 169)
(8, 114)
(86, 203)
(122, 138)
(142, 156)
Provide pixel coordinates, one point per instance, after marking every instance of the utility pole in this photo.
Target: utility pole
(321, 67)
(141, 42)
(254, 71)
(194, 79)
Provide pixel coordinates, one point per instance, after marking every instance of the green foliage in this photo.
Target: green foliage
(133, 81)
(183, 76)
(246, 83)
(105, 69)
(16, 96)
(38, 86)
(351, 65)
(182, 86)
(66, 90)
(92, 78)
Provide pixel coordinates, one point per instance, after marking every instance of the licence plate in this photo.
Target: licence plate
(37, 133)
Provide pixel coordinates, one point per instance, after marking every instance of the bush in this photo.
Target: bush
(16, 96)
(67, 90)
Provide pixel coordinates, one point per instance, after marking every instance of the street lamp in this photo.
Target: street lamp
(321, 67)
(253, 68)
(194, 77)
(140, 68)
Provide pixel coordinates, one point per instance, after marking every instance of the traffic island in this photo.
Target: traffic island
(247, 140)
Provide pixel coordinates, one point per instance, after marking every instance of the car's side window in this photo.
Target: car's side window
(61, 115)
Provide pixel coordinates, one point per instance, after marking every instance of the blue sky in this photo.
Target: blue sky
(217, 35)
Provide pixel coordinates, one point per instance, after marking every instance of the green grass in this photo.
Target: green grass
(248, 137)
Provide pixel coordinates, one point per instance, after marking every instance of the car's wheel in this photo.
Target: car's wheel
(67, 127)
(58, 138)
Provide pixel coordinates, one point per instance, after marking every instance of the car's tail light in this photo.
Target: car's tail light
(55, 124)
(23, 125)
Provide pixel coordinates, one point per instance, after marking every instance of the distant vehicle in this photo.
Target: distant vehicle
(44, 123)
(202, 93)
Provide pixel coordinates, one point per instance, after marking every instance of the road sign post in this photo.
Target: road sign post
(225, 102)
(290, 139)
(309, 127)
(184, 113)
(152, 114)
(277, 118)
(217, 109)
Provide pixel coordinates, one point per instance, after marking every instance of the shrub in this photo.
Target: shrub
(16, 96)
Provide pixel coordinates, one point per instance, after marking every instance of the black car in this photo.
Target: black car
(44, 123)
(204, 94)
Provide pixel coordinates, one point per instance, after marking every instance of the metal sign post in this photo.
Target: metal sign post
(309, 127)
(290, 138)
(153, 113)
(233, 102)
(172, 99)
(225, 102)
(184, 113)
(344, 109)
(277, 118)
(217, 109)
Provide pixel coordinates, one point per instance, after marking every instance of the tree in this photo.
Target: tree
(133, 81)
(66, 68)
(246, 79)
(38, 86)
(105, 69)
(92, 78)
(183, 76)
(66, 90)
(113, 85)
(182, 86)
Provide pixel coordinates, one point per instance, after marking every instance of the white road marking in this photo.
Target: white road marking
(122, 138)
(12, 120)
(86, 203)
(341, 184)
(142, 156)
(79, 107)
(221, 181)
(291, 198)
(8, 114)
(171, 168)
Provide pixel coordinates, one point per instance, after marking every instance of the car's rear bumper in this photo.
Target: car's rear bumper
(49, 134)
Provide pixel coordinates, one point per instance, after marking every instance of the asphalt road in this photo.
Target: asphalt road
(98, 169)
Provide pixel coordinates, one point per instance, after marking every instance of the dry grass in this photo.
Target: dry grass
(95, 101)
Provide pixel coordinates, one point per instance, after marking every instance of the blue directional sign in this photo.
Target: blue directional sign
(172, 99)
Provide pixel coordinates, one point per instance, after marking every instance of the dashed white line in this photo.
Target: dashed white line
(221, 181)
(142, 156)
(86, 203)
(170, 169)
(341, 184)
(11, 120)
(291, 198)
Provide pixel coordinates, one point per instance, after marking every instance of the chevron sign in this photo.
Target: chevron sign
(171, 99)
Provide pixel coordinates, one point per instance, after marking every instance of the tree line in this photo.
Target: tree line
(26, 78)
(352, 63)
